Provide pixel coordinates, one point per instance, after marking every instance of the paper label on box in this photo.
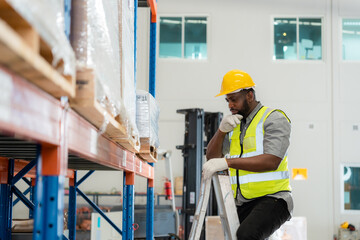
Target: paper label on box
(93, 141)
(124, 159)
(133, 163)
(140, 165)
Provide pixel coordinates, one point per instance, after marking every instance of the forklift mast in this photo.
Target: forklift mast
(198, 126)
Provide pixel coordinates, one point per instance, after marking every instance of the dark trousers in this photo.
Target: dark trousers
(261, 217)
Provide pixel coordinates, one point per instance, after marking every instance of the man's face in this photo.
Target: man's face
(238, 103)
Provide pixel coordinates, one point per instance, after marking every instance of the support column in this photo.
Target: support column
(152, 83)
(150, 210)
(72, 207)
(49, 196)
(128, 206)
(152, 59)
(6, 201)
(135, 39)
(32, 196)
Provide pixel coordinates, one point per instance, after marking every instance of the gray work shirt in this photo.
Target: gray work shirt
(276, 142)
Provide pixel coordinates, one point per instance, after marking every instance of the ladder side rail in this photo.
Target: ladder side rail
(200, 210)
(228, 206)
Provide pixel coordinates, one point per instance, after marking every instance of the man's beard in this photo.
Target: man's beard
(245, 110)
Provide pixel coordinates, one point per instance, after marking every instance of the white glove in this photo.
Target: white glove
(230, 122)
(212, 166)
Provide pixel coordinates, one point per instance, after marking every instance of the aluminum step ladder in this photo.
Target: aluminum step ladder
(226, 206)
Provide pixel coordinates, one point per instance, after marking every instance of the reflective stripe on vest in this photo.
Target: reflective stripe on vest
(261, 177)
(259, 139)
(254, 184)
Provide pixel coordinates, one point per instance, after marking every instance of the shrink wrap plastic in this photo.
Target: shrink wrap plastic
(147, 117)
(95, 39)
(127, 64)
(96, 36)
(47, 17)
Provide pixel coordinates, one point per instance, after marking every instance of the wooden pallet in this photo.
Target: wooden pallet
(85, 104)
(147, 152)
(24, 52)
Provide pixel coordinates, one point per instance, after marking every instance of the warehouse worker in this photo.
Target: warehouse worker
(255, 140)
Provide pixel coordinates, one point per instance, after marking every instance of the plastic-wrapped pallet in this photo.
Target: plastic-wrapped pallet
(47, 17)
(97, 38)
(147, 117)
(128, 93)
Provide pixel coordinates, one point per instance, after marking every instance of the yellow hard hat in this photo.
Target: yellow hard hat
(235, 80)
(344, 225)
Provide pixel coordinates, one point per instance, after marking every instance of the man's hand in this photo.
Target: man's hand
(230, 122)
(212, 166)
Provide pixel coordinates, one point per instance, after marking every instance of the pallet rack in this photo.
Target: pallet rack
(48, 135)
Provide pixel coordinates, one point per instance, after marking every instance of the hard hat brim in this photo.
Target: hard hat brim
(231, 91)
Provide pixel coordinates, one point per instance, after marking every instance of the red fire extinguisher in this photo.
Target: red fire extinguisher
(168, 194)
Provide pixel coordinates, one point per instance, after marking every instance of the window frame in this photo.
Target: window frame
(342, 60)
(342, 190)
(183, 16)
(297, 60)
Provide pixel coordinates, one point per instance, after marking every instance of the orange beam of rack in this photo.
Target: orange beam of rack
(153, 8)
(28, 113)
(86, 142)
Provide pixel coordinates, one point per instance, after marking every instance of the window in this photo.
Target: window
(351, 39)
(297, 38)
(351, 187)
(170, 37)
(183, 37)
(285, 38)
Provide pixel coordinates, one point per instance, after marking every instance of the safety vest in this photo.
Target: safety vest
(256, 184)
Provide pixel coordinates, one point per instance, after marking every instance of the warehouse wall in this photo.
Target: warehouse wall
(346, 116)
(318, 96)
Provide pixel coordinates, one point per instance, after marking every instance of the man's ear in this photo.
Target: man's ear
(250, 96)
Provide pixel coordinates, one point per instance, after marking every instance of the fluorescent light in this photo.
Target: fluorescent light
(170, 21)
(348, 32)
(352, 23)
(196, 21)
(315, 24)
